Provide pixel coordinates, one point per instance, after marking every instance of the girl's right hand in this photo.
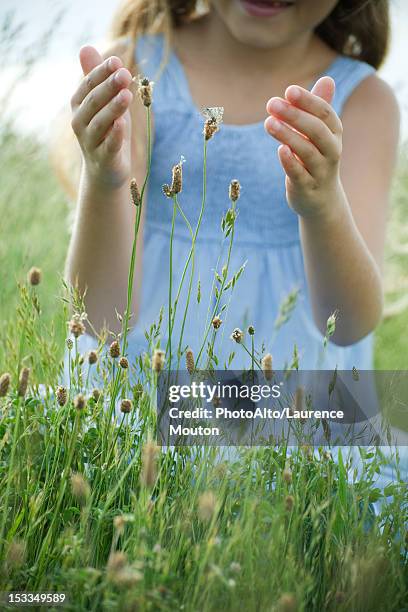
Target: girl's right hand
(101, 118)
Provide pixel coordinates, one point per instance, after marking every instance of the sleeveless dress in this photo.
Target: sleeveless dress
(266, 229)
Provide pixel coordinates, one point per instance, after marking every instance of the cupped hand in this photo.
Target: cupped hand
(101, 118)
(311, 135)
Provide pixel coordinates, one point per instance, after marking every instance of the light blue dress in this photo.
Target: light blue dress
(266, 230)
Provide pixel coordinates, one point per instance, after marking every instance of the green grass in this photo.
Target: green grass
(90, 507)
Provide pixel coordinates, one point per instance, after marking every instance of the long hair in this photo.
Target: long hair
(357, 28)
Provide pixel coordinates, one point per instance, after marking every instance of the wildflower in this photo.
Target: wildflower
(251, 330)
(237, 335)
(16, 554)
(123, 362)
(62, 396)
(80, 488)
(96, 394)
(234, 190)
(4, 384)
(216, 401)
(287, 475)
(34, 276)
(213, 116)
(189, 361)
(145, 89)
(92, 357)
(121, 520)
(176, 180)
(76, 326)
(158, 360)
(79, 402)
(114, 349)
(126, 577)
(148, 473)
(289, 503)
(231, 583)
(70, 344)
(116, 562)
(134, 192)
(355, 374)
(206, 506)
(23, 382)
(266, 364)
(235, 567)
(126, 406)
(287, 603)
(216, 322)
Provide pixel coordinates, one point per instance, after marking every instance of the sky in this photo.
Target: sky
(38, 98)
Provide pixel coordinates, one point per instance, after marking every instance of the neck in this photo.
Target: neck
(218, 42)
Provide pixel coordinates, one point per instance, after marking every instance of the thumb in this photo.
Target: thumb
(89, 58)
(324, 88)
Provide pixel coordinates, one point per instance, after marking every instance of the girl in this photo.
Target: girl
(315, 173)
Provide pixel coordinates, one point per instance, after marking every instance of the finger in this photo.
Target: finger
(311, 158)
(102, 94)
(324, 88)
(89, 58)
(304, 99)
(114, 139)
(100, 124)
(94, 78)
(294, 170)
(309, 125)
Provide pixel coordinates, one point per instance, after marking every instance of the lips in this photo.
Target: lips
(266, 8)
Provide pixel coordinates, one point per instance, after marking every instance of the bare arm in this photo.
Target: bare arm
(101, 243)
(342, 206)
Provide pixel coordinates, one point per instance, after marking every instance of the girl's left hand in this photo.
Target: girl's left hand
(311, 135)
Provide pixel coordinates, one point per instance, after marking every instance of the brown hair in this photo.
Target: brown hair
(357, 28)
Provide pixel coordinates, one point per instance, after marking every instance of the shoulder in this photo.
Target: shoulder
(373, 101)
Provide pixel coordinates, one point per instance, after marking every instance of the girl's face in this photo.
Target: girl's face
(269, 23)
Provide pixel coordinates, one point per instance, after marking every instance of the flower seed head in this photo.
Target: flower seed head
(126, 406)
(234, 190)
(145, 89)
(289, 503)
(177, 178)
(62, 396)
(76, 326)
(92, 357)
(96, 394)
(16, 554)
(287, 603)
(5, 380)
(251, 330)
(116, 562)
(148, 474)
(214, 116)
(216, 322)
(114, 349)
(158, 360)
(80, 488)
(34, 276)
(287, 475)
(123, 362)
(79, 402)
(266, 364)
(237, 335)
(23, 382)
(190, 361)
(70, 344)
(134, 192)
(207, 503)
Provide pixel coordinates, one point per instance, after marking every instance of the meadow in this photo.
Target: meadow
(93, 508)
